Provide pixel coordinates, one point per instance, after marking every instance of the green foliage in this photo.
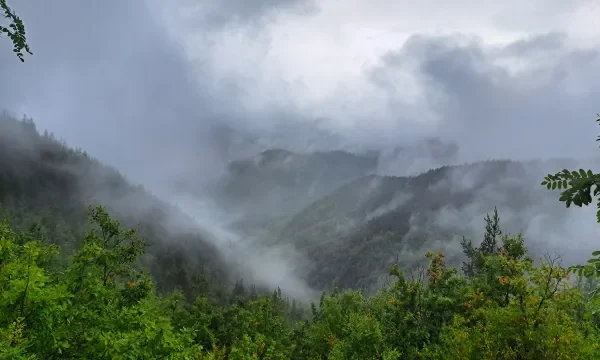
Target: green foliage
(15, 31)
(102, 305)
(579, 188)
(489, 246)
(98, 307)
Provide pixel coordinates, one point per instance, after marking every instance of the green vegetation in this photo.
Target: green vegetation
(100, 305)
(15, 31)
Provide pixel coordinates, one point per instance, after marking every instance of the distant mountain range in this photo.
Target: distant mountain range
(340, 210)
(278, 181)
(353, 223)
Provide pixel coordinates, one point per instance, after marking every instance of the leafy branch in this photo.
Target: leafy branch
(579, 189)
(15, 31)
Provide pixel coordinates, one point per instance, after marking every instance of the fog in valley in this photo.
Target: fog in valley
(301, 138)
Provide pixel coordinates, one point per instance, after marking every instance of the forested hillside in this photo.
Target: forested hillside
(100, 306)
(354, 233)
(47, 186)
(277, 181)
(73, 288)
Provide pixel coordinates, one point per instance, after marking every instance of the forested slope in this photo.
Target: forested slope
(74, 282)
(43, 182)
(277, 181)
(101, 306)
(355, 233)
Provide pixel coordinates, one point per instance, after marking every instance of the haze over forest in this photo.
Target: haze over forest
(295, 144)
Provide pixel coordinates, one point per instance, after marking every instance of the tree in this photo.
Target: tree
(489, 246)
(15, 31)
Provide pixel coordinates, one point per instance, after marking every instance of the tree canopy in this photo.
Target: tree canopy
(101, 304)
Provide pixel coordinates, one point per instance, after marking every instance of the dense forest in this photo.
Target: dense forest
(98, 304)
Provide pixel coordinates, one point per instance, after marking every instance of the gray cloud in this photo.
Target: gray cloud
(228, 13)
(544, 110)
(128, 94)
(108, 77)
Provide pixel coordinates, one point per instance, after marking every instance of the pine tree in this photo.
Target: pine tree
(489, 246)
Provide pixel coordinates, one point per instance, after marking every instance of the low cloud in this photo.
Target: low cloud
(144, 85)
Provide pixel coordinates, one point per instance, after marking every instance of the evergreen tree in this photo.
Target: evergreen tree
(488, 247)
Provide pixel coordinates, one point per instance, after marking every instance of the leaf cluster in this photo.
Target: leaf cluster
(15, 31)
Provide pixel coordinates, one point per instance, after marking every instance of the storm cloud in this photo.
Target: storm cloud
(530, 98)
(169, 92)
(142, 86)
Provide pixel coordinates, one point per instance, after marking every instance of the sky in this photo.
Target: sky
(140, 84)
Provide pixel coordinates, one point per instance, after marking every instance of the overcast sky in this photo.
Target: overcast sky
(138, 83)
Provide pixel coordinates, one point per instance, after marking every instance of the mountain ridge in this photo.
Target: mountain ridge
(353, 226)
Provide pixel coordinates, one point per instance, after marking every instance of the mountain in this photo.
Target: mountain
(417, 157)
(329, 207)
(354, 234)
(277, 181)
(44, 182)
(352, 223)
(76, 309)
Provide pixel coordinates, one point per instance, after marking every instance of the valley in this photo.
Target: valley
(298, 180)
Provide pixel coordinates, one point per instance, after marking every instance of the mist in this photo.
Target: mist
(110, 79)
(170, 93)
(524, 207)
